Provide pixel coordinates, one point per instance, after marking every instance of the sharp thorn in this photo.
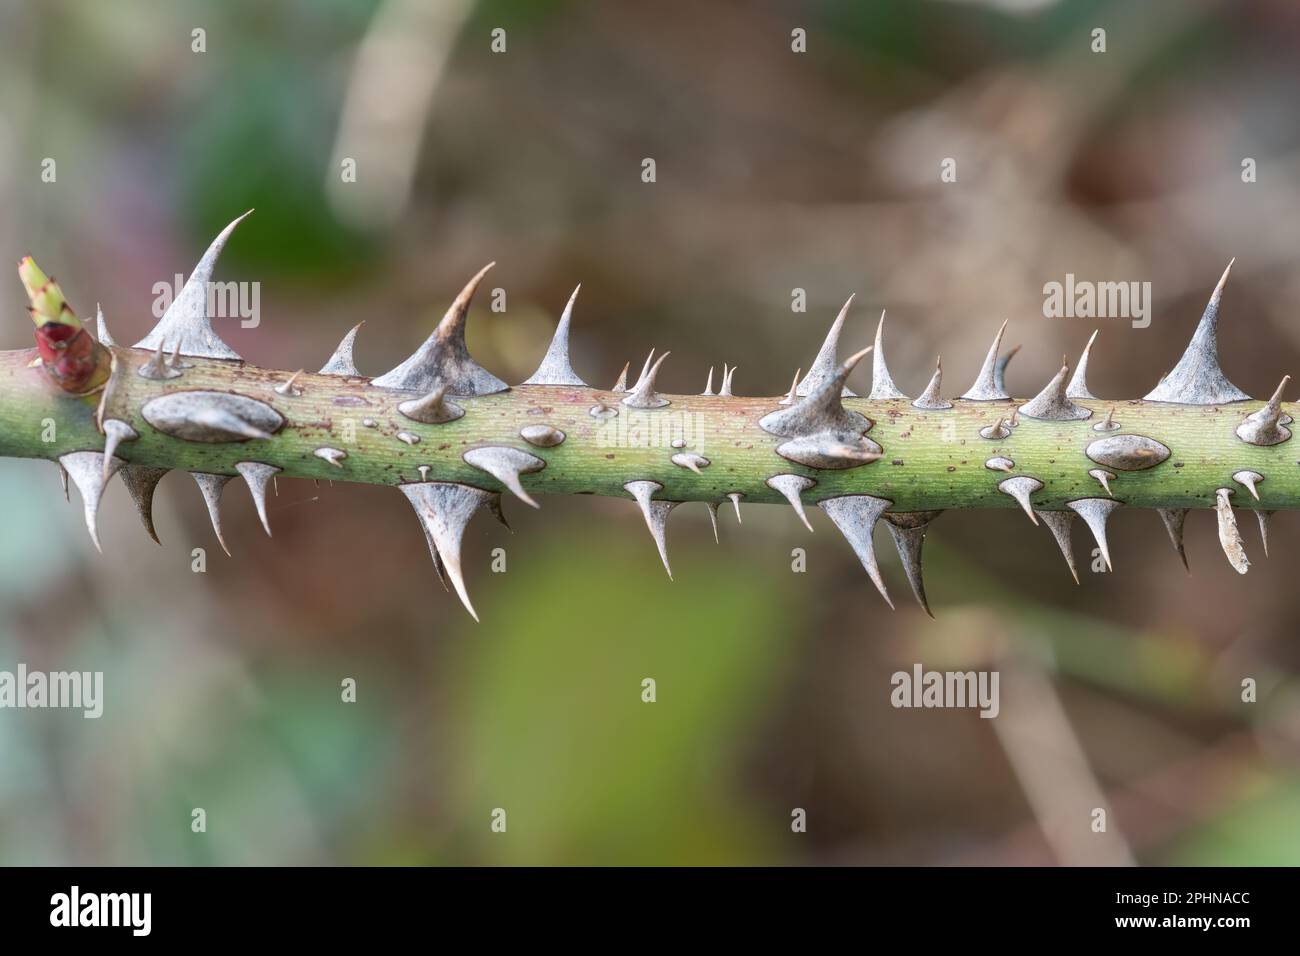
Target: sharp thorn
(1078, 387)
(87, 471)
(908, 529)
(986, 387)
(1198, 379)
(1229, 536)
(1060, 523)
(827, 362)
(556, 367)
(1173, 520)
(791, 487)
(211, 487)
(882, 383)
(856, 516)
(342, 361)
(115, 432)
(1095, 512)
(643, 394)
(257, 475)
(1020, 487)
(444, 509)
(1052, 404)
(506, 465)
(930, 398)
(655, 513)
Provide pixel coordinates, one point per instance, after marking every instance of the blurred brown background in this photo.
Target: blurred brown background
(775, 170)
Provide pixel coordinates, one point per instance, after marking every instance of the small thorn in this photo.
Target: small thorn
(506, 465)
(792, 396)
(735, 501)
(1109, 424)
(727, 375)
(882, 383)
(342, 362)
(690, 460)
(115, 432)
(334, 456)
(1104, 478)
(556, 368)
(1173, 520)
(101, 327)
(1095, 512)
(288, 388)
(256, 475)
(1229, 536)
(713, 519)
(985, 387)
(656, 514)
(930, 398)
(1020, 488)
(1000, 464)
(1059, 523)
(157, 368)
(211, 487)
(1015, 417)
(1052, 404)
(708, 385)
(1078, 387)
(1262, 517)
(1265, 427)
(431, 409)
(621, 384)
(856, 516)
(643, 394)
(822, 413)
(792, 486)
(1248, 479)
(997, 431)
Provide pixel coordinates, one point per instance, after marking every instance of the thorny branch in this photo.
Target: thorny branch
(452, 436)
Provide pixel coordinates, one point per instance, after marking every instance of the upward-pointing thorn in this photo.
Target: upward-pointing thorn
(643, 394)
(1078, 387)
(930, 398)
(342, 362)
(443, 359)
(986, 387)
(1265, 427)
(101, 327)
(186, 323)
(882, 384)
(621, 384)
(708, 386)
(556, 368)
(1052, 404)
(115, 432)
(656, 515)
(792, 395)
(727, 374)
(1197, 379)
(827, 362)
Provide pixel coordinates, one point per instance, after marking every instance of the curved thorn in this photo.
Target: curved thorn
(792, 486)
(655, 513)
(1059, 523)
(643, 394)
(1197, 379)
(1173, 520)
(856, 516)
(257, 475)
(506, 465)
(908, 529)
(1265, 427)
(985, 387)
(1078, 387)
(1248, 479)
(115, 432)
(342, 362)
(1020, 488)
(735, 501)
(444, 509)
(141, 482)
(186, 321)
(211, 487)
(882, 383)
(1000, 370)
(1052, 404)
(713, 519)
(930, 398)
(827, 362)
(708, 386)
(556, 367)
(1095, 512)
(87, 471)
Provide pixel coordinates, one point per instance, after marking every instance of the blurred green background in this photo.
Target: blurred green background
(775, 170)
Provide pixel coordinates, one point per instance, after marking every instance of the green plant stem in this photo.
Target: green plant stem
(932, 459)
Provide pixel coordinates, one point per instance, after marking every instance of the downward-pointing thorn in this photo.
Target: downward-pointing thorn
(1103, 477)
(856, 516)
(713, 519)
(86, 469)
(735, 501)
(1020, 487)
(257, 475)
(1095, 512)
(1229, 536)
(211, 487)
(115, 432)
(1173, 520)
(656, 514)
(1248, 479)
(908, 529)
(1262, 517)
(444, 509)
(792, 486)
(1059, 523)
(506, 465)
